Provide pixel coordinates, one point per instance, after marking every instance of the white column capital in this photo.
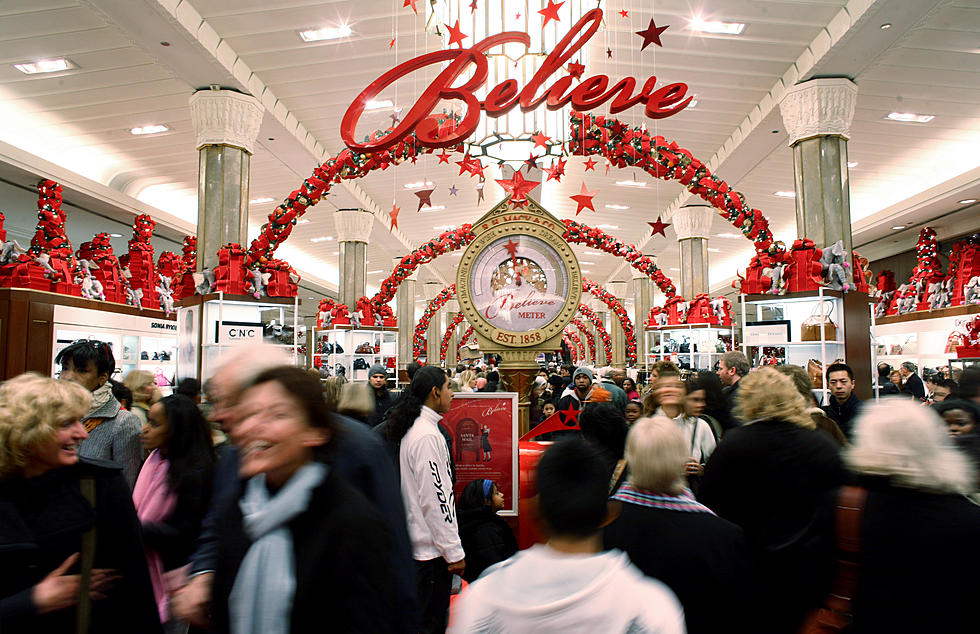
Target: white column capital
(693, 221)
(353, 225)
(226, 117)
(819, 107)
(617, 290)
(430, 290)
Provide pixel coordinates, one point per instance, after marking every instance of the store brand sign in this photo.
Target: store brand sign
(768, 334)
(235, 332)
(163, 325)
(589, 94)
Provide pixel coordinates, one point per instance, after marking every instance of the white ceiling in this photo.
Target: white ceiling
(927, 62)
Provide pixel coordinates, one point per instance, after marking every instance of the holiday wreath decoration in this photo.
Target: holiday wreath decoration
(600, 329)
(446, 338)
(616, 307)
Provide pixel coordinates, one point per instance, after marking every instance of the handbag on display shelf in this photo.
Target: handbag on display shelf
(954, 340)
(894, 350)
(811, 329)
(911, 345)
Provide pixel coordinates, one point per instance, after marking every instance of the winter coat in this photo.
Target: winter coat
(487, 539)
(116, 438)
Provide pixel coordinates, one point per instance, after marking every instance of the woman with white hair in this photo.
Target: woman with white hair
(776, 476)
(670, 536)
(919, 557)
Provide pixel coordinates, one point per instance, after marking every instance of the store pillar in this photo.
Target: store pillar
(692, 223)
(818, 115)
(405, 312)
(517, 371)
(642, 301)
(433, 337)
(452, 309)
(618, 290)
(353, 230)
(226, 124)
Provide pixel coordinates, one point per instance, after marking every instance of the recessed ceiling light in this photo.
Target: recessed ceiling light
(586, 271)
(149, 129)
(897, 227)
(335, 253)
(607, 226)
(374, 104)
(909, 117)
(584, 262)
(444, 227)
(711, 250)
(967, 201)
(259, 201)
(115, 235)
(418, 185)
(716, 26)
(374, 272)
(620, 207)
(321, 239)
(852, 163)
(783, 194)
(674, 268)
(45, 66)
(730, 235)
(326, 33)
(304, 221)
(632, 183)
(433, 208)
(886, 26)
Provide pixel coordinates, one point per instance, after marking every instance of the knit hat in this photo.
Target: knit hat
(377, 368)
(583, 370)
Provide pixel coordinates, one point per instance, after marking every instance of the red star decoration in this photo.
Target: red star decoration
(590, 165)
(394, 215)
(556, 171)
(658, 227)
(532, 161)
(473, 6)
(425, 198)
(411, 2)
(518, 188)
(540, 139)
(512, 248)
(575, 70)
(456, 34)
(391, 44)
(479, 193)
(444, 157)
(609, 53)
(569, 416)
(652, 34)
(584, 199)
(550, 12)
(624, 13)
(471, 165)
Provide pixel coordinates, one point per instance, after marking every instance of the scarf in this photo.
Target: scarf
(100, 397)
(683, 502)
(261, 599)
(155, 502)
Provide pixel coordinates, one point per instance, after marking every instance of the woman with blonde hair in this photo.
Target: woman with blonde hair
(58, 510)
(775, 476)
(143, 385)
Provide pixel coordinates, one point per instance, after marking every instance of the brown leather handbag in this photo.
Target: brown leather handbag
(837, 612)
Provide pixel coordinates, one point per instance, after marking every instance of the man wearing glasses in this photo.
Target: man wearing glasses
(113, 433)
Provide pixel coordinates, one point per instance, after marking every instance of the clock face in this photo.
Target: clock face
(519, 283)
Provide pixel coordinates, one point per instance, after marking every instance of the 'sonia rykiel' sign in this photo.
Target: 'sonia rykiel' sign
(589, 94)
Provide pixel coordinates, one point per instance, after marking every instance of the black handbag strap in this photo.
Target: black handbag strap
(87, 560)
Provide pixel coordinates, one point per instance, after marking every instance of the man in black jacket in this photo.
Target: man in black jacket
(844, 405)
(383, 400)
(911, 383)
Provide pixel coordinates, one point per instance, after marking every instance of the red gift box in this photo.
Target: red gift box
(24, 272)
(341, 321)
(886, 281)
(230, 275)
(368, 322)
(755, 282)
(804, 271)
(186, 287)
(676, 310)
(861, 273)
(280, 285)
(700, 311)
(967, 269)
(390, 322)
(3, 232)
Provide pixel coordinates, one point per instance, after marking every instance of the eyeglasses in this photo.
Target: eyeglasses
(100, 346)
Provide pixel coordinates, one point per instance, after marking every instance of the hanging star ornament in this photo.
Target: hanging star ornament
(609, 53)
(590, 165)
(550, 12)
(557, 170)
(391, 44)
(412, 3)
(479, 192)
(658, 227)
(444, 157)
(452, 190)
(518, 187)
(584, 199)
(540, 139)
(532, 161)
(652, 34)
(395, 209)
(394, 116)
(624, 13)
(576, 69)
(456, 34)
(425, 198)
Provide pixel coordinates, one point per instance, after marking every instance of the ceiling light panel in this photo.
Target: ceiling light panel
(45, 66)
(326, 33)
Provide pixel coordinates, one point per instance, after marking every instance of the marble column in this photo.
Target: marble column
(353, 231)
(405, 312)
(692, 224)
(433, 337)
(642, 301)
(818, 115)
(618, 290)
(452, 309)
(226, 124)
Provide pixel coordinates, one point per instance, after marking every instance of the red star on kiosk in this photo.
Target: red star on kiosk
(584, 199)
(411, 2)
(518, 187)
(425, 198)
(456, 34)
(540, 139)
(444, 157)
(550, 12)
(652, 34)
(575, 70)
(590, 165)
(570, 416)
(658, 227)
(624, 13)
(394, 215)
(511, 247)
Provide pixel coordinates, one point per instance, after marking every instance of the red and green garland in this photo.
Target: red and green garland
(464, 339)
(572, 350)
(418, 341)
(617, 308)
(573, 336)
(446, 338)
(447, 242)
(600, 329)
(597, 239)
(589, 340)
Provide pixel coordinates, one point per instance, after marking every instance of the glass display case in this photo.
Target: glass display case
(352, 352)
(690, 346)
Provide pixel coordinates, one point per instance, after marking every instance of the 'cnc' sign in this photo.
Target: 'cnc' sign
(589, 94)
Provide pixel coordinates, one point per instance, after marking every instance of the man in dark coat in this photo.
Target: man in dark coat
(844, 404)
(383, 400)
(912, 384)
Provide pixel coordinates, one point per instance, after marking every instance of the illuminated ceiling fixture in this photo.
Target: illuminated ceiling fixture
(115, 235)
(852, 164)
(508, 138)
(418, 185)
(632, 183)
(259, 201)
(967, 201)
(321, 239)
(898, 227)
(716, 26)
(149, 129)
(619, 207)
(607, 226)
(374, 104)
(327, 33)
(432, 208)
(45, 66)
(730, 235)
(909, 117)
(785, 194)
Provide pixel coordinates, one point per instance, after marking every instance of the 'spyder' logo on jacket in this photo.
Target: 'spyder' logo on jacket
(444, 502)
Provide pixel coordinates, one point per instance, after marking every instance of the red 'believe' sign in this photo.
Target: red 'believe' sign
(589, 94)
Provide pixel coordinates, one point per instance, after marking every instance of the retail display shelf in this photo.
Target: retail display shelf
(952, 311)
(799, 296)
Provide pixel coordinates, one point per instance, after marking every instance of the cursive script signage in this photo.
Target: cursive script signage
(589, 94)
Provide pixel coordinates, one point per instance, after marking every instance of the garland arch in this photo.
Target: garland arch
(444, 347)
(617, 308)
(572, 351)
(589, 340)
(573, 336)
(464, 340)
(586, 312)
(418, 340)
